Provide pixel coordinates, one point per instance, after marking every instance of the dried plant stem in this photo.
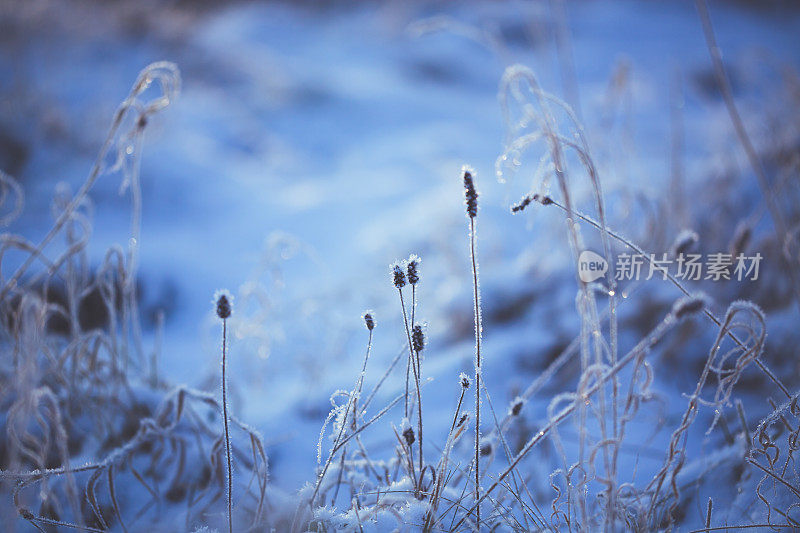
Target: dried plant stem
(441, 469)
(478, 327)
(341, 438)
(410, 351)
(381, 381)
(227, 433)
(354, 420)
(367, 424)
(417, 370)
(360, 385)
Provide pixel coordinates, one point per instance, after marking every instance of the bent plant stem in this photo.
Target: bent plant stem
(142, 82)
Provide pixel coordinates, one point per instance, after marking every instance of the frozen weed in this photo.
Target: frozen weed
(77, 389)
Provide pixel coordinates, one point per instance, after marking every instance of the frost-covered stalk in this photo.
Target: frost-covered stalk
(417, 340)
(340, 439)
(418, 343)
(441, 478)
(369, 322)
(224, 309)
(399, 281)
(472, 211)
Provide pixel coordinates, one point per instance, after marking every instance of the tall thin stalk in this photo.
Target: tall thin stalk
(224, 309)
(416, 370)
(399, 280)
(417, 342)
(369, 321)
(478, 327)
(472, 211)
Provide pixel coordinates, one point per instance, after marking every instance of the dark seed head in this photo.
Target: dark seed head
(417, 338)
(542, 199)
(516, 406)
(224, 302)
(411, 269)
(398, 276)
(525, 202)
(408, 435)
(471, 195)
(369, 320)
(462, 419)
(463, 379)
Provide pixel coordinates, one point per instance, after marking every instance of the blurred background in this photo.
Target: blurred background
(315, 142)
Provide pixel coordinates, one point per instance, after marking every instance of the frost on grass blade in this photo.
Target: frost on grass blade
(690, 305)
(684, 242)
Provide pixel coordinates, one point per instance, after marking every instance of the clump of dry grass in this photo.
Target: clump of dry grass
(88, 418)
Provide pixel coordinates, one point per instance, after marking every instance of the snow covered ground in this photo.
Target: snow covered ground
(311, 146)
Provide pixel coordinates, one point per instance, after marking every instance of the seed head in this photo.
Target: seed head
(398, 276)
(741, 238)
(516, 406)
(684, 242)
(689, 305)
(525, 202)
(224, 303)
(470, 193)
(417, 338)
(542, 199)
(369, 320)
(463, 379)
(411, 268)
(408, 435)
